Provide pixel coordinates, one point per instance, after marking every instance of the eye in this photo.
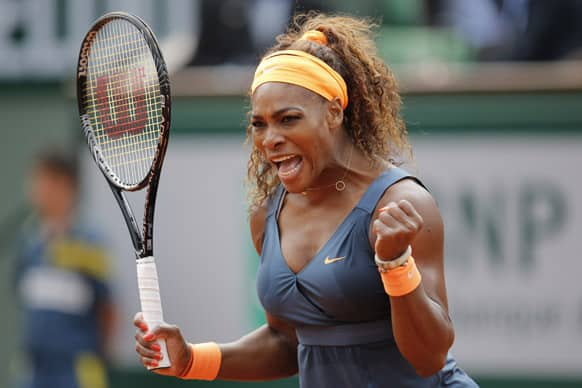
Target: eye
(256, 124)
(289, 119)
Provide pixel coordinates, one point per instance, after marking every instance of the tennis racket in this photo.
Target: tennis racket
(123, 92)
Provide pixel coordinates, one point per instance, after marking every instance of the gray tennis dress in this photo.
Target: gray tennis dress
(340, 310)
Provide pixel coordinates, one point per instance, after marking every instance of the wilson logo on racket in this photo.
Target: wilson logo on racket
(82, 70)
(118, 114)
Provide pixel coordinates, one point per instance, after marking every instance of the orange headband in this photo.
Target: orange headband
(302, 69)
(315, 36)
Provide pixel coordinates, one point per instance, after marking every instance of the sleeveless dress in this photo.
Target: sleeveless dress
(340, 310)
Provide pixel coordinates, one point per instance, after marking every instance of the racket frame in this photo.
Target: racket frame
(142, 239)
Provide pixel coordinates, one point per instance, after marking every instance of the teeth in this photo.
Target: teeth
(282, 158)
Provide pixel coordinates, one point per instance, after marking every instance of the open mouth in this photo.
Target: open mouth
(288, 166)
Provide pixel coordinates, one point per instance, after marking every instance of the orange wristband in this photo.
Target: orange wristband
(204, 363)
(401, 280)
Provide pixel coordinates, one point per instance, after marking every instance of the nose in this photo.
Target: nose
(272, 139)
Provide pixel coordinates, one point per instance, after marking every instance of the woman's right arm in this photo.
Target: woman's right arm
(268, 353)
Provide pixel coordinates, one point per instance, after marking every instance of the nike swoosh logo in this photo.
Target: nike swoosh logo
(329, 261)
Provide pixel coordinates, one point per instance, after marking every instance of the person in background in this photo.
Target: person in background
(61, 278)
(513, 30)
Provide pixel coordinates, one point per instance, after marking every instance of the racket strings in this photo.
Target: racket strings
(131, 113)
(107, 67)
(122, 149)
(123, 100)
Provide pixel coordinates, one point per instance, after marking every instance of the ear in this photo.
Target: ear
(334, 114)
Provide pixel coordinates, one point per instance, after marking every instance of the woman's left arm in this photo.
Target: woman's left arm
(422, 328)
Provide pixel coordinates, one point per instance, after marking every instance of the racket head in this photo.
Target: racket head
(123, 95)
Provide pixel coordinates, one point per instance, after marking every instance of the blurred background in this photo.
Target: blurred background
(492, 93)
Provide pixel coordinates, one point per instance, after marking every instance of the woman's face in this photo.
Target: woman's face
(293, 128)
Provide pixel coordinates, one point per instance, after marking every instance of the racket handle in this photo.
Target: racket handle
(151, 303)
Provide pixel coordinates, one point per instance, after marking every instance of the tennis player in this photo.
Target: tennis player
(352, 273)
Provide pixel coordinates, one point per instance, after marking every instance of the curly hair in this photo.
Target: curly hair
(371, 119)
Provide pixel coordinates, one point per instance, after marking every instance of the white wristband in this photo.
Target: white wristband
(386, 265)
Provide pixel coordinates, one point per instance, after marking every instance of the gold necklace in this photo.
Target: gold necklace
(340, 184)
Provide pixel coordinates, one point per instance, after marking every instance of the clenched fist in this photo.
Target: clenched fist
(397, 225)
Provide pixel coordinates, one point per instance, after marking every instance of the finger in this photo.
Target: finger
(407, 208)
(158, 331)
(375, 226)
(150, 337)
(388, 206)
(404, 219)
(148, 352)
(149, 362)
(381, 229)
(397, 213)
(388, 210)
(138, 317)
(396, 219)
(161, 331)
(139, 322)
(145, 340)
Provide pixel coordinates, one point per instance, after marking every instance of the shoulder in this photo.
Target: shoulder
(257, 220)
(84, 250)
(431, 236)
(88, 233)
(411, 190)
(258, 216)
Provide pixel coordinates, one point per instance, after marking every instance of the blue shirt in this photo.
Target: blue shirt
(61, 282)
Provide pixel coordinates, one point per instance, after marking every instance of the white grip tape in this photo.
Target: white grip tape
(151, 303)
